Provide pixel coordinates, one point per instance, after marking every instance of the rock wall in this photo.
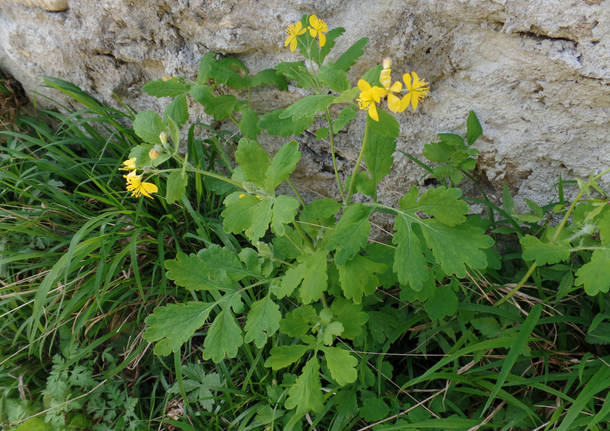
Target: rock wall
(536, 72)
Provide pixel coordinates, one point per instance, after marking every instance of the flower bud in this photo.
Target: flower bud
(163, 138)
(153, 154)
(387, 63)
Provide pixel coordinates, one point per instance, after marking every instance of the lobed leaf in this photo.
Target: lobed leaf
(223, 339)
(263, 321)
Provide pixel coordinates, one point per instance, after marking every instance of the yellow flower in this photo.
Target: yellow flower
(165, 78)
(129, 165)
(369, 96)
(137, 187)
(294, 30)
(418, 89)
(386, 80)
(317, 27)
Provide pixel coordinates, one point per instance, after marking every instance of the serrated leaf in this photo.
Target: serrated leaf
(441, 303)
(177, 110)
(253, 161)
(543, 253)
(282, 165)
(443, 204)
(374, 409)
(357, 277)
(269, 77)
(473, 128)
(349, 57)
(297, 322)
(457, 246)
(372, 75)
(262, 322)
(220, 107)
(351, 233)
(380, 146)
(409, 262)
(346, 115)
(594, 275)
(176, 186)
(248, 126)
(365, 184)
(172, 325)
(351, 316)
(306, 393)
(229, 71)
(438, 152)
(308, 106)
(451, 139)
(285, 127)
(246, 213)
(322, 133)
(140, 152)
(347, 96)
(148, 125)
(310, 274)
(171, 88)
(284, 211)
(283, 356)
(205, 66)
(318, 214)
(603, 223)
(341, 364)
(297, 72)
(223, 339)
(333, 77)
(191, 271)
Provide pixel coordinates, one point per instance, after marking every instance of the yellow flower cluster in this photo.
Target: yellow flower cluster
(135, 185)
(416, 88)
(317, 28)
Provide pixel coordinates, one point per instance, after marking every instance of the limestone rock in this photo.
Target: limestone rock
(535, 72)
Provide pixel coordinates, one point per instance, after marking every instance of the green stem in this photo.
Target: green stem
(296, 192)
(332, 153)
(350, 189)
(189, 168)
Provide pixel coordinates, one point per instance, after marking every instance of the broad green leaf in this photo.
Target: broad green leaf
(282, 165)
(380, 145)
(170, 88)
(178, 111)
(347, 96)
(438, 152)
(220, 107)
(457, 246)
(372, 75)
(229, 71)
(223, 262)
(223, 338)
(334, 78)
(259, 221)
(351, 233)
(318, 54)
(409, 262)
(473, 128)
(543, 253)
(322, 133)
(318, 214)
(603, 223)
(253, 160)
(269, 77)
(599, 330)
(297, 322)
(205, 66)
(310, 273)
(308, 106)
(140, 152)
(365, 184)
(441, 303)
(374, 409)
(189, 271)
(148, 125)
(172, 325)
(306, 393)
(285, 127)
(341, 364)
(176, 186)
(297, 72)
(248, 126)
(346, 115)
(351, 316)
(451, 139)
(349, 57)
(594, 275)
(443, 204)
(262, 322)
(284, 211)
(283, 356)
(357, 277)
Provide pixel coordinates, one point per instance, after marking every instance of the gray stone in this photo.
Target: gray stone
(535, 72)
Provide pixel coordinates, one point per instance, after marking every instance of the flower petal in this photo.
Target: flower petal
(313, 21)
(407, 79)
(396, 87)
(378, 93)
(394, 104)
(363, 85)
(293, 44)
(322, 37)
(373, 112)
(405, 101)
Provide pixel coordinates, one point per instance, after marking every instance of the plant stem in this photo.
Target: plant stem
(350, 189)
(201, 172)
(332, 154)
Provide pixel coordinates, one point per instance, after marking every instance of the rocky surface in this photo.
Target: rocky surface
(535, 72)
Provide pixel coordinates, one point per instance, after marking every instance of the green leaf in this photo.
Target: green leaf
(334, 78)
(349, 57)
(176, 186)
(318, 54)
(543, 253)
(351, 233)
(190, 271)
(310, 273)
(297, 322)
(246, 213)
(223, 338)
(229, 71)
(148, 125)
(253, 160)
(306, 393)
(205, 66)
(372, 76)
(282, 165)
(458, 246)
(381, 144)
(220, 107)
(515, 351)
(318, 214)
(374, 409)
(140, 152)
(308, 106)
(297, 72)
(409, 262)
(438, 152)
(357, 277)
(473, 128)
(172, 325)
(171, 88)
(351, 316)
(248, 126)
(441, 303)
(347, 96)
(594, 276)
(261, 216)
(262, 322)
(346, 115)
(178, 111)
(443, 204)
(603, 223)
(284, 211)
(283, 356)
(322, 133)
(276, 126)
(269, 77)
(341, 364)
(365, 184)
